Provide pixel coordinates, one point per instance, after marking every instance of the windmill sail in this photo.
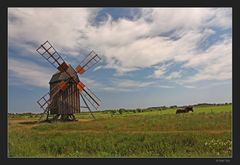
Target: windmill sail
(52, 56)
(90, 60)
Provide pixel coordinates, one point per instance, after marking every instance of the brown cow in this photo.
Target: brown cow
(184, 110)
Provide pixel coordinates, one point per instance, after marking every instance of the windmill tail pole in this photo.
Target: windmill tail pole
(87, 106)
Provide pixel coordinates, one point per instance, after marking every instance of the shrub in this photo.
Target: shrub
(139, 110)
(121, 110)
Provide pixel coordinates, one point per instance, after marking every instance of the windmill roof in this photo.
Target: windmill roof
(58, 76)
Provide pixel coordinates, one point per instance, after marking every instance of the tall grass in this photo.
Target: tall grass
(204, 133)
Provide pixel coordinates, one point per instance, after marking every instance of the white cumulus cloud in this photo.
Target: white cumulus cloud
(158, 35)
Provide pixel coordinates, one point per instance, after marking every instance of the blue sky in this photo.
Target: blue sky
(150, 56)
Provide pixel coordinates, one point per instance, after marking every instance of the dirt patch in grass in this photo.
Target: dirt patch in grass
(84, 120)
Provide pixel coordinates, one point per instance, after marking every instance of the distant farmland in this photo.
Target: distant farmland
(155, 133)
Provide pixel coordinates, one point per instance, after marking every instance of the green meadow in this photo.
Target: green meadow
(206, 132)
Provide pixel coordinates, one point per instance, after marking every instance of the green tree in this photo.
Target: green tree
(139, 110)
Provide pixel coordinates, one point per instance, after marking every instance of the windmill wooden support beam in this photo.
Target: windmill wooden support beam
(80, 86)
(63, 67)
(80, 69)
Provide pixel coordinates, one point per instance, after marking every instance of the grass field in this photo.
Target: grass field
(204, 133)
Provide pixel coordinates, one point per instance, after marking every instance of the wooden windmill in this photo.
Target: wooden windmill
(66, 89)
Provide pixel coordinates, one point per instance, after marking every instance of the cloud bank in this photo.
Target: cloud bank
(149, 40)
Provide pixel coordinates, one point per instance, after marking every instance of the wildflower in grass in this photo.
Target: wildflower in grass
(219, 145)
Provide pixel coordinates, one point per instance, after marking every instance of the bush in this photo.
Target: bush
(139, 110)
(121, 110)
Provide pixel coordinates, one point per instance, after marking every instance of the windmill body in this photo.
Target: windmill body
(66, 102)
(63, 99)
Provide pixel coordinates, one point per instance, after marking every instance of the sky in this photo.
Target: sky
(149, 56)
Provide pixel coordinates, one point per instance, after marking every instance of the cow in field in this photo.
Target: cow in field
(184, 110)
